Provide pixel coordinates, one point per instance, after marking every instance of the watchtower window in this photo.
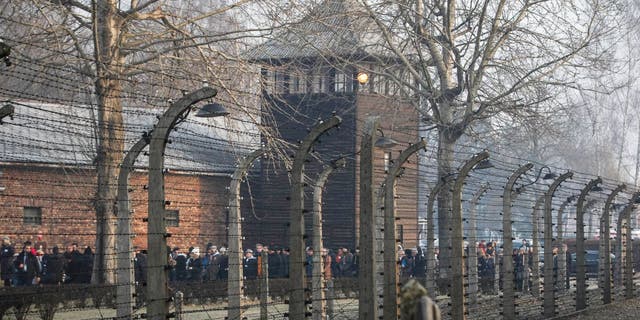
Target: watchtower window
(343, 82)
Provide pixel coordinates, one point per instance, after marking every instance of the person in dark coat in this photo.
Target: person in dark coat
(74, 258)
(85, 266)
(275, 263)
(55, 266)
(194, 265)
(250, 265)
(6, 261)
(224, 264)
(27, 266)
(140, 267)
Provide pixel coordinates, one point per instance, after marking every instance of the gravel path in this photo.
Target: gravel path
(627, 309)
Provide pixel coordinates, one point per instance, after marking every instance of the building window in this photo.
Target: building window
(172, 219)
(343, 82)
(298, 83)
(32, 215)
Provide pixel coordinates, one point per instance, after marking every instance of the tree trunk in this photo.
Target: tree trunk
(445, 162)
(110, 136)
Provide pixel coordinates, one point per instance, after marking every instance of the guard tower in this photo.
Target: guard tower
(329, 63)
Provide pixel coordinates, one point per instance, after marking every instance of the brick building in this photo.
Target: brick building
(48, 182)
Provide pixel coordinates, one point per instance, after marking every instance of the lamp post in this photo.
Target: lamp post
(296, 233)
(549, 293)
(605, 257)
(581, 288)
(234, 237)
(508, 306)
(390, 301)
(157, 267)
(458, 308)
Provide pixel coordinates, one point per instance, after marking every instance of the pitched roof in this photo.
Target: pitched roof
(334, 28)
(65, 135)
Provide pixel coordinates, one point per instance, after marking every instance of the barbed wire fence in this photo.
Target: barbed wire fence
(528, 240)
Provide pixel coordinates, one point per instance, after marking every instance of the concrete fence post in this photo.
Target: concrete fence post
(264, 285)
(508, 287)
(473, 253)
(458, 305)
(125, 280)
(234, 238)
(549, 285)
(297, 279)
(157, 260)
(317, 280)
(581, 288)
(605, 257)
(391, 289)
(367, 299)
(431, 258)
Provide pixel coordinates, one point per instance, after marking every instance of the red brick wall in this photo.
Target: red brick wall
(65, 196)
(398, 120)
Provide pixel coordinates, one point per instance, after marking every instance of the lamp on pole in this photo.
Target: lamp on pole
(390, 301)
(458, 308)
(157, 261)
(549, 303)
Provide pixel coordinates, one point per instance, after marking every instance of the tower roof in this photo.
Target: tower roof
(339, 28)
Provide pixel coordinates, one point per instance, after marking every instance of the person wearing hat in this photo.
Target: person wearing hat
(27, 266)
(6, 261)
(250, 265)
(194, 265)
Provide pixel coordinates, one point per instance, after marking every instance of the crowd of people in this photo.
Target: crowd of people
(36, 264)
(213, 263)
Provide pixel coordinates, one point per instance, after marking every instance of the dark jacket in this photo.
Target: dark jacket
(6, 262)
(27, 267)
(140, 268)
(250, 268)
(54, 264)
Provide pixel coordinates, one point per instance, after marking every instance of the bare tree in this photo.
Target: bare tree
(480, 60)
(127, 53)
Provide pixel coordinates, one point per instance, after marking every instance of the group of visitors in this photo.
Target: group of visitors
(213, 263)
(37, 264)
